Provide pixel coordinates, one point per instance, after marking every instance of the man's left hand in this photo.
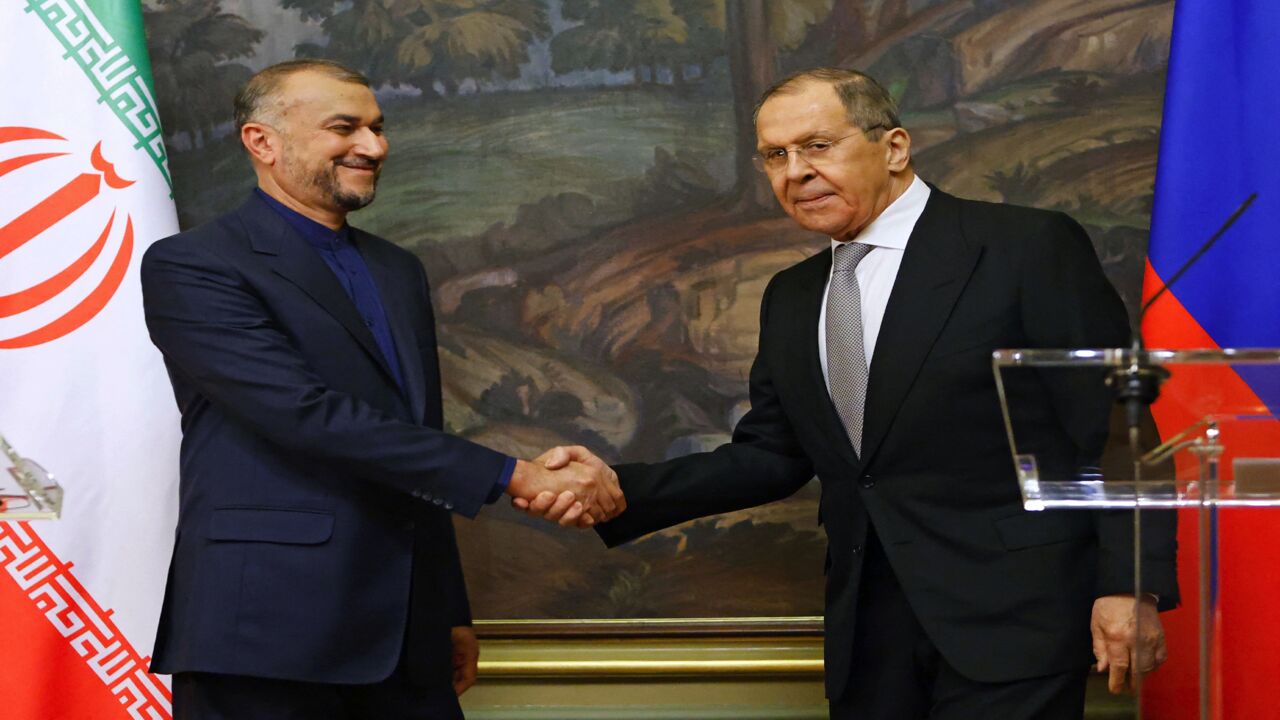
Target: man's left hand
(466, 658)
(1116, 641)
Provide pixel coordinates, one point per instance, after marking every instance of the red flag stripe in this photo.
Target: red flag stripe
(1247, 659)
(81, 664)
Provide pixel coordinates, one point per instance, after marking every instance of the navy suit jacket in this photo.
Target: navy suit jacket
(314, 537)
(1003, 593)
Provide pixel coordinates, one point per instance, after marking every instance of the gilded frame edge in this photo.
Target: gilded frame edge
(784, 626)
(677, 648)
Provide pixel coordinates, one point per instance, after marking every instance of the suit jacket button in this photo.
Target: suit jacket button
(868, 482)
(448, 506)
(438, 501)
(857, 549)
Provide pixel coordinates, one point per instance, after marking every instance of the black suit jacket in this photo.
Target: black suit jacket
(1002, 592)
(314, 533)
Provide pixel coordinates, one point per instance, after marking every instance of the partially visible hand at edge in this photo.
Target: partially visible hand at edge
(466, 657)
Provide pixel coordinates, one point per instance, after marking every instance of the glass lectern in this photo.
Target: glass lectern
(1218, 445)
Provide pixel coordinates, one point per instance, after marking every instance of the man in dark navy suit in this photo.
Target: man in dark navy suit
(315, 572)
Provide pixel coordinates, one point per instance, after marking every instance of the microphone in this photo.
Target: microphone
(1138, 385)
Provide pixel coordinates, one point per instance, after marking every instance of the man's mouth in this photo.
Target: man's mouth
(365, 165)
(811, 201)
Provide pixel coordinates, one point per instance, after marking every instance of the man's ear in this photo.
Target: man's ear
(898, 149)
(262, 142)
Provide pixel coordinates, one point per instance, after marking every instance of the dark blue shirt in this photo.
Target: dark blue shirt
(340, 254)
(343, 258)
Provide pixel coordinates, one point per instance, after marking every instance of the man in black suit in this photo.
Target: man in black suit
(315, 572)
(945, 599)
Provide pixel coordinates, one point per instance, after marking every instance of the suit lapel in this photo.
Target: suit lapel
(935, 268)
(291, 258)
(382, 267)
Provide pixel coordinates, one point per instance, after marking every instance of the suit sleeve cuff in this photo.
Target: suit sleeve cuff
(504, 479)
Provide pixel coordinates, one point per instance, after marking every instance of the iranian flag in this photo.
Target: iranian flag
(84, 187)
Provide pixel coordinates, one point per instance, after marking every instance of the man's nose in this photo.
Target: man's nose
(371, 144)
(798, 168)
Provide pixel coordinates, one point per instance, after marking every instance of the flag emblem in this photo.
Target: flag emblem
(31, 225)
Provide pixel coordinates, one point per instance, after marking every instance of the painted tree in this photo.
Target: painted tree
(705, 20)
(791, 20)
(478, 39)
(756, 31)
(193, 45)
(618, 35)
(362, 34)
(421, 42)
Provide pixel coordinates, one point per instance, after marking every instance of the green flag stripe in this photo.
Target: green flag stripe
(106, 40)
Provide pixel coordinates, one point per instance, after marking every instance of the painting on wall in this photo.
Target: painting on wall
(576, 177)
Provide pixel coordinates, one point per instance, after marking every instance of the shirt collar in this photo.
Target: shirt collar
(893, 227)
(316, 234)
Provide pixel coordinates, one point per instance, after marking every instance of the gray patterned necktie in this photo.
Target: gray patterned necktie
(847, 370)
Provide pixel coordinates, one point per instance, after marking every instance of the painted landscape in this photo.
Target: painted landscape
(575, 175)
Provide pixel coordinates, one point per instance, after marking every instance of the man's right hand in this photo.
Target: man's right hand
(565, 490)
(564, 507)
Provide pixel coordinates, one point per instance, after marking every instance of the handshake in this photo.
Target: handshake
(567, 485)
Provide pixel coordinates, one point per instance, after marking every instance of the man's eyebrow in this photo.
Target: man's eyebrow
(352, 119)
(820, 134)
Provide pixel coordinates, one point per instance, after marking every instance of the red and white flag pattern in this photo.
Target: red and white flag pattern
(84, 187)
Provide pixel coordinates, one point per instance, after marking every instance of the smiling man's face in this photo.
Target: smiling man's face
(858, 177)
(333, 146)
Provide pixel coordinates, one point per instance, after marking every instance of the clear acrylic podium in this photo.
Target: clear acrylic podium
(1218, 446)
(27, 491)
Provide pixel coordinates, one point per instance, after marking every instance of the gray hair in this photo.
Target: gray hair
(867, 105)
(254, 99)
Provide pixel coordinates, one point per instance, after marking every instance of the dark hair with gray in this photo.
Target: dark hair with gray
(867, 105)
(254, 99)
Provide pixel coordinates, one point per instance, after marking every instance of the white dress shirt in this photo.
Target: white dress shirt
(878, 270)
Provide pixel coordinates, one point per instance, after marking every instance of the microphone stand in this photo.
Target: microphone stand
(1137, 387)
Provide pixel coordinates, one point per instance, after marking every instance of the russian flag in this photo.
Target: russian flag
(1219, 143)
